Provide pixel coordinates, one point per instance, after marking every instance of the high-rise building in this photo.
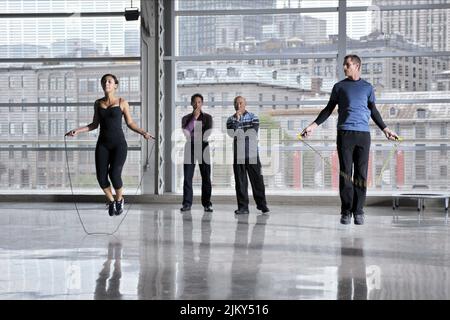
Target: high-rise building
(197, 34)
(132, 42)
(73, 36)
(308, 29)
(428, 27)
(209, 34)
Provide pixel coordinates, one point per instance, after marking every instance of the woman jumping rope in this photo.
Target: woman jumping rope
(111, 149)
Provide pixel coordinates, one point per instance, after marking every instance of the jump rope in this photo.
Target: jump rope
(361, 183)
(75, 203)
(299, 137)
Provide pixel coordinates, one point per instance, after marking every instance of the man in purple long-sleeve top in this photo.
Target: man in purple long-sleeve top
(197, 128)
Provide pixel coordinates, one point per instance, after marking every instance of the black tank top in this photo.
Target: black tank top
(110, 120)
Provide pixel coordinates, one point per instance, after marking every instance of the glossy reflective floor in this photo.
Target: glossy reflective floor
(159, 253)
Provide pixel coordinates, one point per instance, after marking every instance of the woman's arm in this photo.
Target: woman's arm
(92, 126)
(131, 124)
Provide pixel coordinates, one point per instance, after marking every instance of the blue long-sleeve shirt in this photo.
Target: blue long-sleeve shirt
(356, 101)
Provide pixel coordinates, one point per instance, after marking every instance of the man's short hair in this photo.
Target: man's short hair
(196, 95)
(354, 58)
(235, 99)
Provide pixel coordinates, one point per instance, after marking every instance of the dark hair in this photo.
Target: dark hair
(354, 59)
(196, 95)
(103, 80)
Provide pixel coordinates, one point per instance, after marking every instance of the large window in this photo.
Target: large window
(240, 34)
(285, 56)
(51, 69)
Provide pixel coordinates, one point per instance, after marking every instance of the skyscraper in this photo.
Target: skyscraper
(71, 36)
(428, 28)
(206, 34)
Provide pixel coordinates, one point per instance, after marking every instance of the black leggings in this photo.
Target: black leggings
(109, 160)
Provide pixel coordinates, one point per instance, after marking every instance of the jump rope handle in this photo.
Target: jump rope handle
(147, 161)
(301, 135)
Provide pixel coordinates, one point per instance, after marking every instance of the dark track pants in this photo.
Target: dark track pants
(190, 159)
(353, 151)
(241, 184)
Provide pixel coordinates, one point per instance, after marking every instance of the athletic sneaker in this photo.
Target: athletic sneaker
(111, 208)
(346, 218)
(119, 206)
(208, 208)
(264, 209)
(359, 219)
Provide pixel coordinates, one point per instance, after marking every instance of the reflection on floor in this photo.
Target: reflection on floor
(159, 253)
